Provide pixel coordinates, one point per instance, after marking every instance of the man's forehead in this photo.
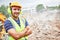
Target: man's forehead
(15, 7)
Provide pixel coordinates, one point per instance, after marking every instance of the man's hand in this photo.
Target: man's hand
(28, 31)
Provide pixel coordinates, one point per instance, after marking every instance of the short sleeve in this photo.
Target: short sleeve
(26, 23)
(7, 25)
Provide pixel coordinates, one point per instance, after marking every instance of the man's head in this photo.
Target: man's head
(15, 8)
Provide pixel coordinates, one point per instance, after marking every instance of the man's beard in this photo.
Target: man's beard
(14, 15)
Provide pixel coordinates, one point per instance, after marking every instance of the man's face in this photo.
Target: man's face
(16, 11)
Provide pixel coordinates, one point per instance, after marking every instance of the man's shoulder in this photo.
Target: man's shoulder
(7, 25)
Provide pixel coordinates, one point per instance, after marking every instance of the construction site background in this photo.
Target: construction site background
(45, 24)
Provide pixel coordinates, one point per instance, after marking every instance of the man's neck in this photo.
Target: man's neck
(15, 18)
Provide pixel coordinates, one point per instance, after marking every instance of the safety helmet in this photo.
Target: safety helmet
(15, 4)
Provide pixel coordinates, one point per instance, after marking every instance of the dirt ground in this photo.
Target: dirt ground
(45, 25)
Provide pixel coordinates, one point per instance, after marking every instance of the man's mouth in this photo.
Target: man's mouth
(16, 13)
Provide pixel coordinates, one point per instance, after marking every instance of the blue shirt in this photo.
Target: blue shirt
(8, 25)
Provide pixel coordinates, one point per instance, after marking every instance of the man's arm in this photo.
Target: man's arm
(16, 35)
(28, 28)
(29, 31)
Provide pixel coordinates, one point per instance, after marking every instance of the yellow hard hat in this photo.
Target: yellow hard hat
(15, 4)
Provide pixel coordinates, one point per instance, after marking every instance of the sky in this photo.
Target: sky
(32, 3)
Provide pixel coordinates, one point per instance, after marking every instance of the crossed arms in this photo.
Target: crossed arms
(16, 35)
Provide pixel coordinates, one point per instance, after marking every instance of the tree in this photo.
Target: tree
(39, 7)
(58, 7)
(3, 9)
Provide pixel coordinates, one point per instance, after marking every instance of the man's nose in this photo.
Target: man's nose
(17, 10)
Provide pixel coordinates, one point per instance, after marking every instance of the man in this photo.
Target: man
(16, 26)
